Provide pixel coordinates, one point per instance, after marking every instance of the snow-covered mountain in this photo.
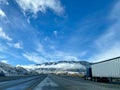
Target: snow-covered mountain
(8, 70)
(61, 67)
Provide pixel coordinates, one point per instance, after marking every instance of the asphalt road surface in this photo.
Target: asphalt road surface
(52, 82)
(27, 83)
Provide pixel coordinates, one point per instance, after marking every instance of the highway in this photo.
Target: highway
(27, 83)
(53, 82)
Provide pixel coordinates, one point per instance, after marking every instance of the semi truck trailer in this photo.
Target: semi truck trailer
(105, 71)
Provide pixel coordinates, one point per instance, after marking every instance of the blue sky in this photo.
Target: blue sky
(37, 31)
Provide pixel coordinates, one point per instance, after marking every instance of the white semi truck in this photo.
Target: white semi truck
(107, 70)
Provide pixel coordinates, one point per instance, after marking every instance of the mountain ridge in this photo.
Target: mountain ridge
(64, 67)
(59, 67)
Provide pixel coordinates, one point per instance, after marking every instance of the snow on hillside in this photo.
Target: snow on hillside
(61, 67)
(58, 67)
(9, 70)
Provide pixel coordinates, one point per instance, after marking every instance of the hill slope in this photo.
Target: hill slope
(60, 67)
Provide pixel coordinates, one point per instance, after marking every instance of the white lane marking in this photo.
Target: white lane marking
(47, 82)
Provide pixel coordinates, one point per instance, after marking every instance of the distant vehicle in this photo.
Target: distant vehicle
(105, 71)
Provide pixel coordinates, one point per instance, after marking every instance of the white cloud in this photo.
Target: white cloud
(115, 13)
(55, 33)
(17, 45)
(2, 56)
(109, 43)
(42, 56)
(3, 17)
(111, 36)
(40, 49)
(57, 55)
(59, 65)
(2, 14)
(62, 56)
(4, 61)
(70, 58)
(4, 36)
(4, 2)
(107, 54)
(34, 57)
(3, 48)
(83, 53)
(46, 38)
(63, 65)
(35, 6)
